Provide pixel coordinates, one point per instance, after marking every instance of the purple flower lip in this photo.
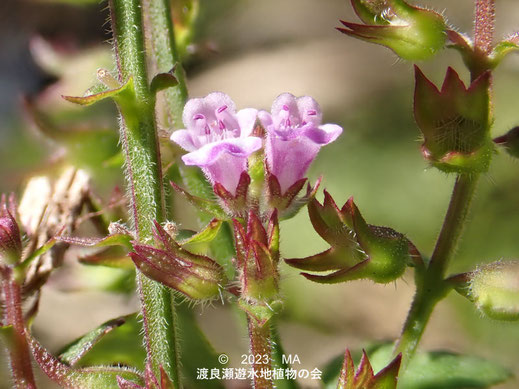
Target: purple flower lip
(294, 136)
(218, 138)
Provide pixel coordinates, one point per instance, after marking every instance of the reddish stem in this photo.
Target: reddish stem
(261, 352)
(19, 355)
(484, 25)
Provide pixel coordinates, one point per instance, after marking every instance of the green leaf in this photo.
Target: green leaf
(163, 81)
(95, 94)
(413, 33)
(430, 370)
(261, 312)
(7, 335)
(206, 235)
(118, 239)
(75, 350)
(114, 254)
(87, 147)
(110, 257)
(503, 48)
(196, 183)
(222, 249)
(196, 350)
(123, 345)
(204, 206)
(86, 378)
(207, 240)
(278, 361)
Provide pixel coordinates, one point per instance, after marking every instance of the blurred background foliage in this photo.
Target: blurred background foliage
(255, 50)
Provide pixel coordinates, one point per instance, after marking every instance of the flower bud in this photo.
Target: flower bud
(257, 255)
(413, 33)
(364, 377)
(455, 122)
(495, 290)
(10, 242)
(238, 203)
(196, 276)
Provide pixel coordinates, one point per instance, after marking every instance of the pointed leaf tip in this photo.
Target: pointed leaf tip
(121, 94)
(73, 352)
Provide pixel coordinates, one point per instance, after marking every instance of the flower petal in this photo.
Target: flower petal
(289, 160)
(285, 106)
(184, 139)
(309, 110)
(265, 119)
(226, 170)
(206, 106)
(209, 154)
(246, 120)
(324, 134)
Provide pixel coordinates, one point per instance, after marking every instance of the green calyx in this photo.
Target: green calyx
(358, 250)
(455, 122)
(413, 33)
(494, 289)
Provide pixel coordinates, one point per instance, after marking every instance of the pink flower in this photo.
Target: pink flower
(294, 136)
(218, 138)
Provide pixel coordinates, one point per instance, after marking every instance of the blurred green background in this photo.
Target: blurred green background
(255, 50)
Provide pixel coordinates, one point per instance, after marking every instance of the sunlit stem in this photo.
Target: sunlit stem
(164, 56)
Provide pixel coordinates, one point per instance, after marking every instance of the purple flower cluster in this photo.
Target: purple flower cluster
(219, 139)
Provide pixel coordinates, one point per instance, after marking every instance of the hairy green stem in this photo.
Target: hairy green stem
(430, 286)
(143, 169)
(417, 319)
(462, 194)
(164, 55)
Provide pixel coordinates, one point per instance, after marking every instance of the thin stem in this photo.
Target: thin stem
(164, 55)
(19, 355)
(484, 25)
(462, 194)
(261, 352)
(430, 286)
(140, 145)
(429, 292)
